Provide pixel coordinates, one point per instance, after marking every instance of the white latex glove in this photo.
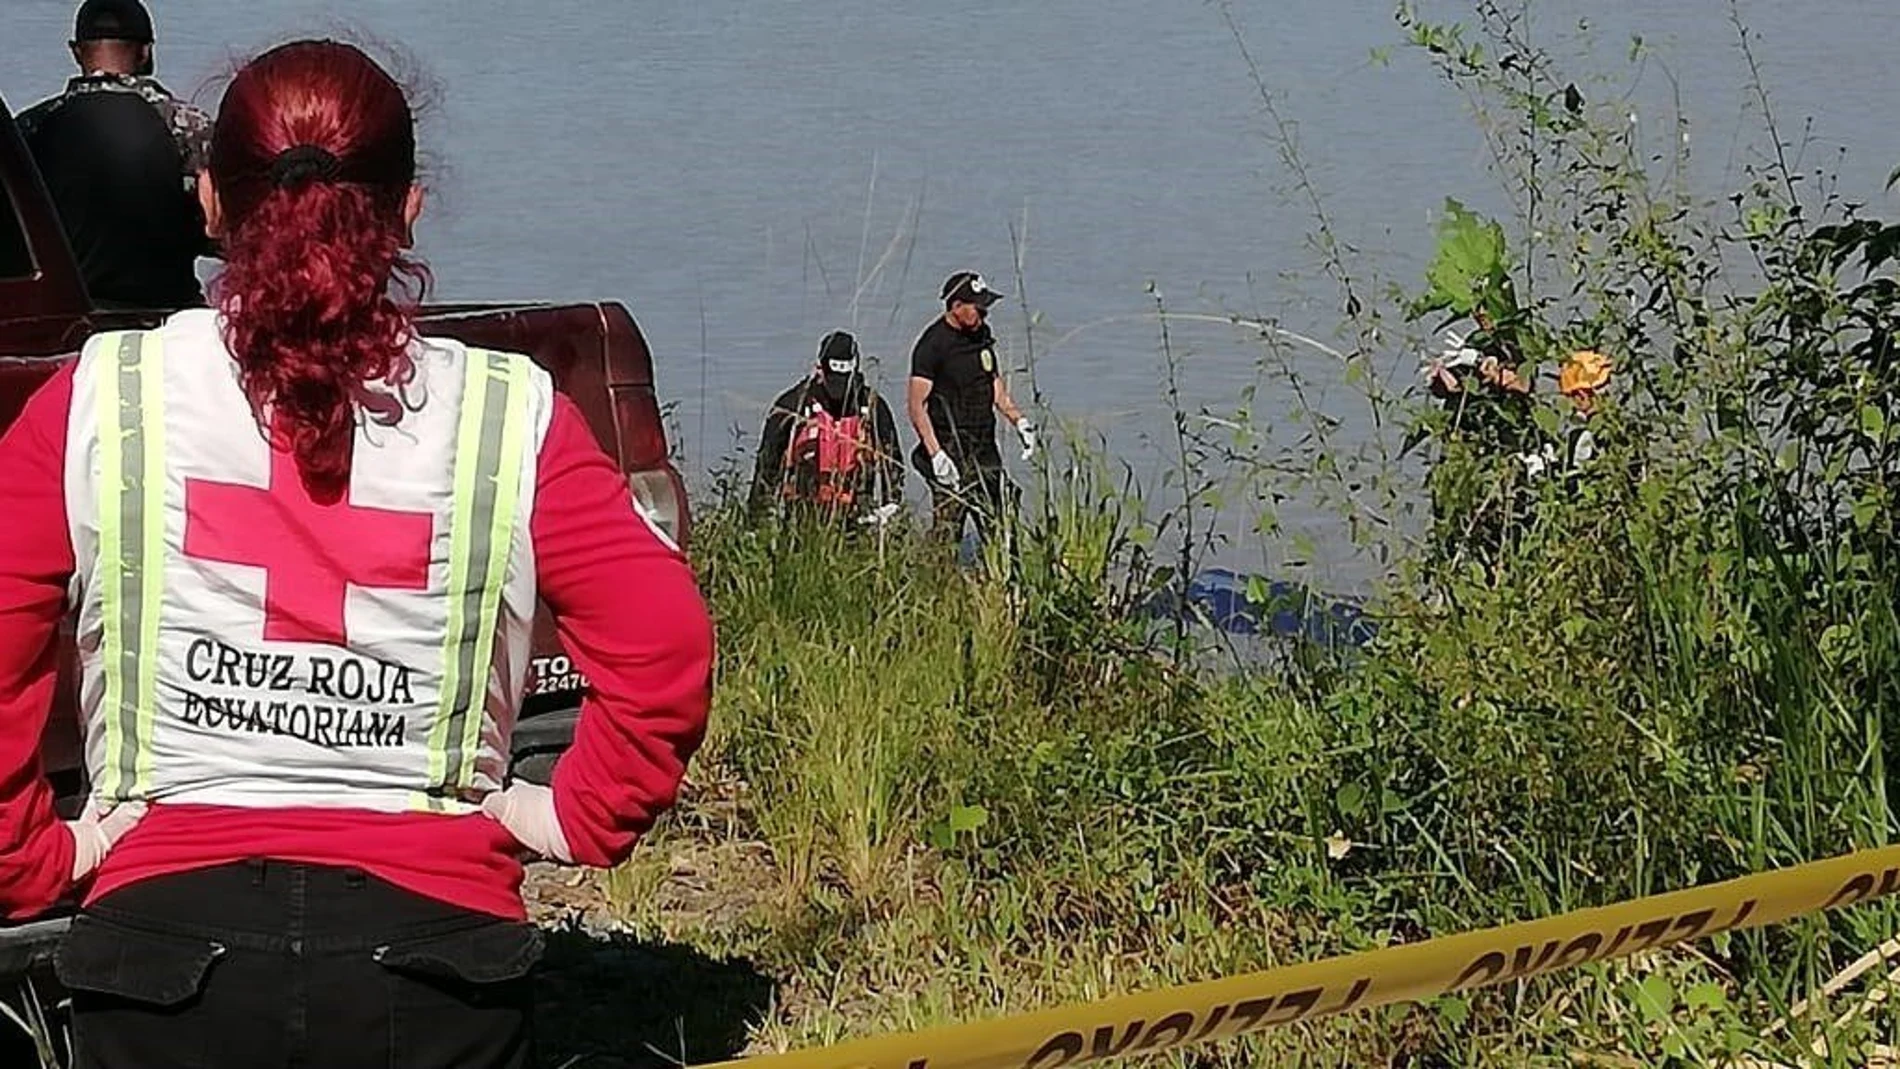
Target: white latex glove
(1027, 432)
(945, 470)
(880, 516)
(1536, 464)
(97, 830)
(1455, 354)
(1585, 449)
(527, 811)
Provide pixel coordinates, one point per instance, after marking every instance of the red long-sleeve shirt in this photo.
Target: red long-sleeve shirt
(649, 666)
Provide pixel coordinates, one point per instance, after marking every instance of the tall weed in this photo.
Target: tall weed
(994, 789)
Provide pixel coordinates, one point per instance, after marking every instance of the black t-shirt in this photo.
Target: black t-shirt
(118, 180)
(961, 368)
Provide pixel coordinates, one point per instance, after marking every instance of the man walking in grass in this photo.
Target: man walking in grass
(955, 393)
(829, 446)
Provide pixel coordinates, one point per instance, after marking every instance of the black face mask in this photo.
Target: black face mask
(835, 387)
(837, 369)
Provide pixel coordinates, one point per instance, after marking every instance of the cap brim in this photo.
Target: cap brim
(985, 298)
(96, 36)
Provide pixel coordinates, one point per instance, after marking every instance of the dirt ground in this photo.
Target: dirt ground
(609, 998)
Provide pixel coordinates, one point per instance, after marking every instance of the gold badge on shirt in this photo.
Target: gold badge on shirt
(989, 361)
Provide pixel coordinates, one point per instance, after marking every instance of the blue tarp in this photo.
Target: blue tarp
(1219, 597)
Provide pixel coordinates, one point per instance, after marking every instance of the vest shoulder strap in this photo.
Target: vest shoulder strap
(494, 426)
(129, 401)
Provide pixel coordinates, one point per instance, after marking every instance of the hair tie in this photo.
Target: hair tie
(299, 164)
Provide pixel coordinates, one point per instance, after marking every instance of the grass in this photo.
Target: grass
(36, 1033)
(943, 796)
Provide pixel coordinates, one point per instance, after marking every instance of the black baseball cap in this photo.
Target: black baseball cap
(113, 20)
(838, 353)
(968, 286)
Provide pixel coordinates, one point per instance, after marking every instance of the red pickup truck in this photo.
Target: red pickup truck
(594, 351)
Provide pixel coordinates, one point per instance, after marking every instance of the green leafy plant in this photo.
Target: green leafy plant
(1470, 274)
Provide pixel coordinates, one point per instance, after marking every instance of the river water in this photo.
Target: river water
(746, 176)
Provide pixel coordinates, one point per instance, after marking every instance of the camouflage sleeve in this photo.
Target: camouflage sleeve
(192, 129)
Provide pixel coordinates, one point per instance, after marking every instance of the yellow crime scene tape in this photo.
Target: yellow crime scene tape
(1154, 1021)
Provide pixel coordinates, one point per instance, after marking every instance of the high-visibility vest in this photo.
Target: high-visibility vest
(242, 644)
(823, 459)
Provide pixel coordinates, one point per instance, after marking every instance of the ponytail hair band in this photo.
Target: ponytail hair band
(301, 164)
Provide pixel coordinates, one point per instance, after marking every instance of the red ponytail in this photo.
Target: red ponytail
(317, 297)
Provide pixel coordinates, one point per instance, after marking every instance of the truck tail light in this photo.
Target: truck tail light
(660, 496)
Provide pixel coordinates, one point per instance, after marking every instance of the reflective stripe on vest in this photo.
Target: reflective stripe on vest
(131, 415)
(491, 444)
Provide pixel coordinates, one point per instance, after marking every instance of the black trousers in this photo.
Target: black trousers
(268, 964)
(981, 496)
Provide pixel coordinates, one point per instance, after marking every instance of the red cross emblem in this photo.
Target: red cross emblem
(311, 553)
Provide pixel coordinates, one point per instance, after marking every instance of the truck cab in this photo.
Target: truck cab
(593, 350)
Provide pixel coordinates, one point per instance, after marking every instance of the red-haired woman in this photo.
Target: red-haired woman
(303, 547)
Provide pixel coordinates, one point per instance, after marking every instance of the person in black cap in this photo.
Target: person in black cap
(830, 443)
(955, 393)
(121, 156)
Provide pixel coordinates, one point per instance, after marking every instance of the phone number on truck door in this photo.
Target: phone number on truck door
(554, 675)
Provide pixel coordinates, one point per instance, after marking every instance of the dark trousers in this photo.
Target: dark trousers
(981, 495)
(270, 964)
